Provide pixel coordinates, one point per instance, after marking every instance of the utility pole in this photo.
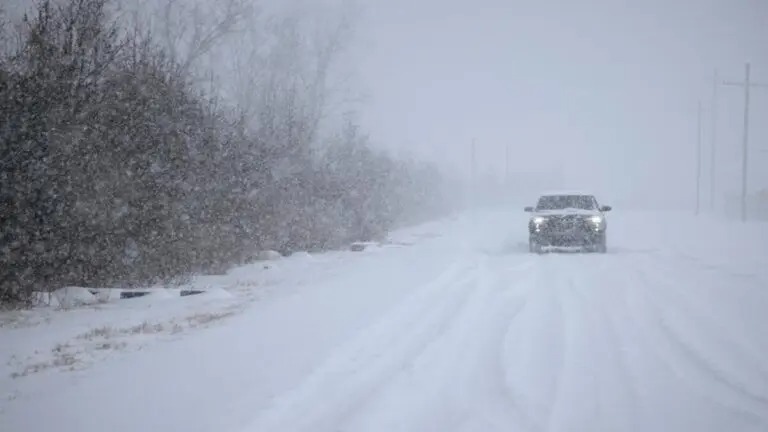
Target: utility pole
(473, 174)
(698, 160)
(745, 145)
(713, 144)
(506, 166)
(747, 84)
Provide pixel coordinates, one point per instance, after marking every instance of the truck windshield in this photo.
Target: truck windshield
(560, 202)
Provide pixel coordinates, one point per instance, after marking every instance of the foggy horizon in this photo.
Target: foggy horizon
(607, 90)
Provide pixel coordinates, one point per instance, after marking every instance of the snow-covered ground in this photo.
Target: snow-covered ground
(453, 327)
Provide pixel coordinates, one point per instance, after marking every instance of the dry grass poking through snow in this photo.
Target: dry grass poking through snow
(75, 354)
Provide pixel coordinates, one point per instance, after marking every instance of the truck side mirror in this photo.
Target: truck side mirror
(529, 209)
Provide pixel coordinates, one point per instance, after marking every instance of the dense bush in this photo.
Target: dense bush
(115, 168)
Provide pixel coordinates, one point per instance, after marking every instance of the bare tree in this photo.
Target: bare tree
(11, 28)
(4, 32)
(191, 31)
(331, 37)
(309, 47)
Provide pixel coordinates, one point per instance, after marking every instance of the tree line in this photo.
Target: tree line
(120, 165)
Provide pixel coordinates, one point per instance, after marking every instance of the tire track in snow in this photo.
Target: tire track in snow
(518, 302)
(617, 384)
(455, 384)
(734, 339)
(692, 319)
(503, 296)
(346, 381)
(590, 290)
(743, 290)
(535, 349)
(589, 355)
(724, 266)
(566, 373)
(662, 368)
(664, 345)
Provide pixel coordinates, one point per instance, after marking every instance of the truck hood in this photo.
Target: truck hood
(566, 212)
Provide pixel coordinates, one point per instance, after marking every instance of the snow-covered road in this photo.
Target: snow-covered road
(461, 331)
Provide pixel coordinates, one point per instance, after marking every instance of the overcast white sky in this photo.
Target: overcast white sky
(606, 88)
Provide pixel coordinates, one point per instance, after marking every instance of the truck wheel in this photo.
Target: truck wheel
(534, 247)
(602, 245)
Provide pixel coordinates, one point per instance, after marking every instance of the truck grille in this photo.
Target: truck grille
(565, 223)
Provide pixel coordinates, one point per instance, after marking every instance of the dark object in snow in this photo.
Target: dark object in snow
(132, 294)
(358, 247)
(185, 293)
(565, 220)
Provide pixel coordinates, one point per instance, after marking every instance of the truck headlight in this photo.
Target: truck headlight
(597, 220)
(538, 220)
